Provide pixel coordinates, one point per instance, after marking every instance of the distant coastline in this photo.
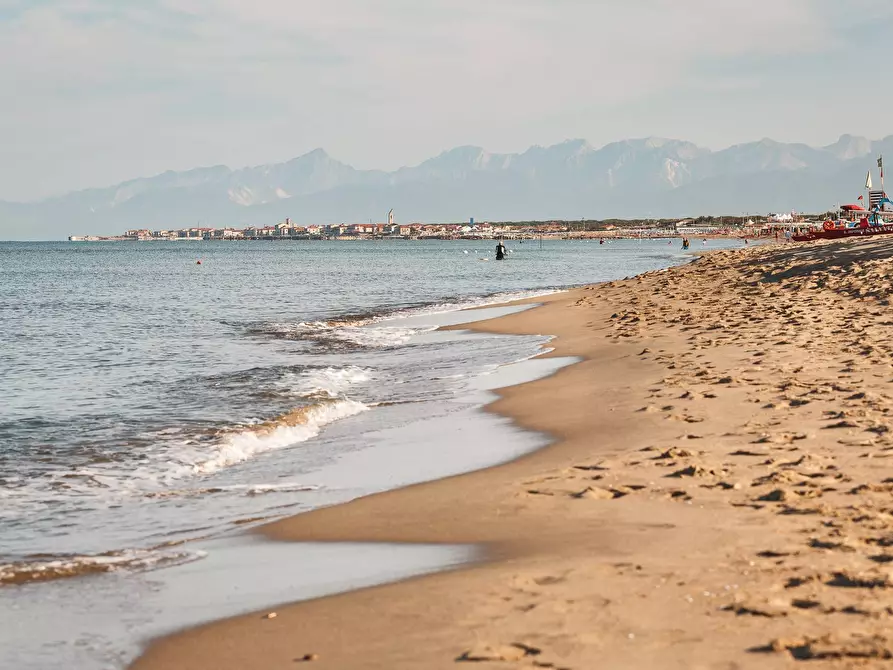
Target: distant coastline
(708, 226)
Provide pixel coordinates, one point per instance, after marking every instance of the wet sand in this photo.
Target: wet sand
(718, 494)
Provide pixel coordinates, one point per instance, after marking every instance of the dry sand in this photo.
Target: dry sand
(718, 494)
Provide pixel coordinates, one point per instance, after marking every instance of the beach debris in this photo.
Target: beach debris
(307, 658)
(270, 615)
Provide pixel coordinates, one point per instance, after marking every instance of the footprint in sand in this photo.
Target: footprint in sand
(515, 651)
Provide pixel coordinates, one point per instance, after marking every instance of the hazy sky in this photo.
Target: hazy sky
(98, 91)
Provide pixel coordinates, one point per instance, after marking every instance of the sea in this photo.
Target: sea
(160, 399)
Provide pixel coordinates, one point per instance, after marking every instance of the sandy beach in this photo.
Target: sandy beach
(717, 494)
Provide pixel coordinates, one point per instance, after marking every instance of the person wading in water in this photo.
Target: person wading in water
(500, 251)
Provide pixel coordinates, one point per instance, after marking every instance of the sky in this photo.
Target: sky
(100, 91)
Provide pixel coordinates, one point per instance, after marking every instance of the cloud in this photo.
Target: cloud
(108, 89)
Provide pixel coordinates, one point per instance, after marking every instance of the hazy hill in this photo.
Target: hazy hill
(650, 177)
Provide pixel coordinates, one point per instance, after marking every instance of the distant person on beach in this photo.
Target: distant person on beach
(500, 251)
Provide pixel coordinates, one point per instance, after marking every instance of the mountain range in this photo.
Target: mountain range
(652, 177)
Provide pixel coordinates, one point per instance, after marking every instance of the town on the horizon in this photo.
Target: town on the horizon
(470, 230)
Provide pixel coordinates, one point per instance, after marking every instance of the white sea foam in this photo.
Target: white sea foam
(370, 333)
(375, 334)
(162, 473)
(331, 381)
(243, 445)
(377, 337)
(285, 487)
(465, 303)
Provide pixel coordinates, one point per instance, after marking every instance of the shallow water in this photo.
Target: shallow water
(148, 400)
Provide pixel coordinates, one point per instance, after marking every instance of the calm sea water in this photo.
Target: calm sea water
(148, 399)
(136, 382)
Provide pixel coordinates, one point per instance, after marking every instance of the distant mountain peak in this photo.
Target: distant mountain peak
(316, 154)
(849, 147)
(576, 144)
(662, 176)
(657, 142)
(462, 151)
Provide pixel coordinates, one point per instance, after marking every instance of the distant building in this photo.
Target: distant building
(694, 231)
(391, 218)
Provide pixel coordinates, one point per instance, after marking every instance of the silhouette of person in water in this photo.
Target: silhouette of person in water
(500, 251)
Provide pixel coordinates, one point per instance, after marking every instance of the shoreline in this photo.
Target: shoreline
(607, 235)
(487, 350)
(724, 510)
(491, 550)
(225, 557)
(488, 551)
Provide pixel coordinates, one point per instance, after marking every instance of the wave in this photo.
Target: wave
(366, 330)
(297, 425)
(328, 382)
(44, 568)
(245, 489)
(467, 302)
(340, 333)
(174, 456)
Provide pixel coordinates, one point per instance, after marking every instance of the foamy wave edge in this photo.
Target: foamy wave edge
(471, 302)
(286, 430)
(369, 330)
(51, 568)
